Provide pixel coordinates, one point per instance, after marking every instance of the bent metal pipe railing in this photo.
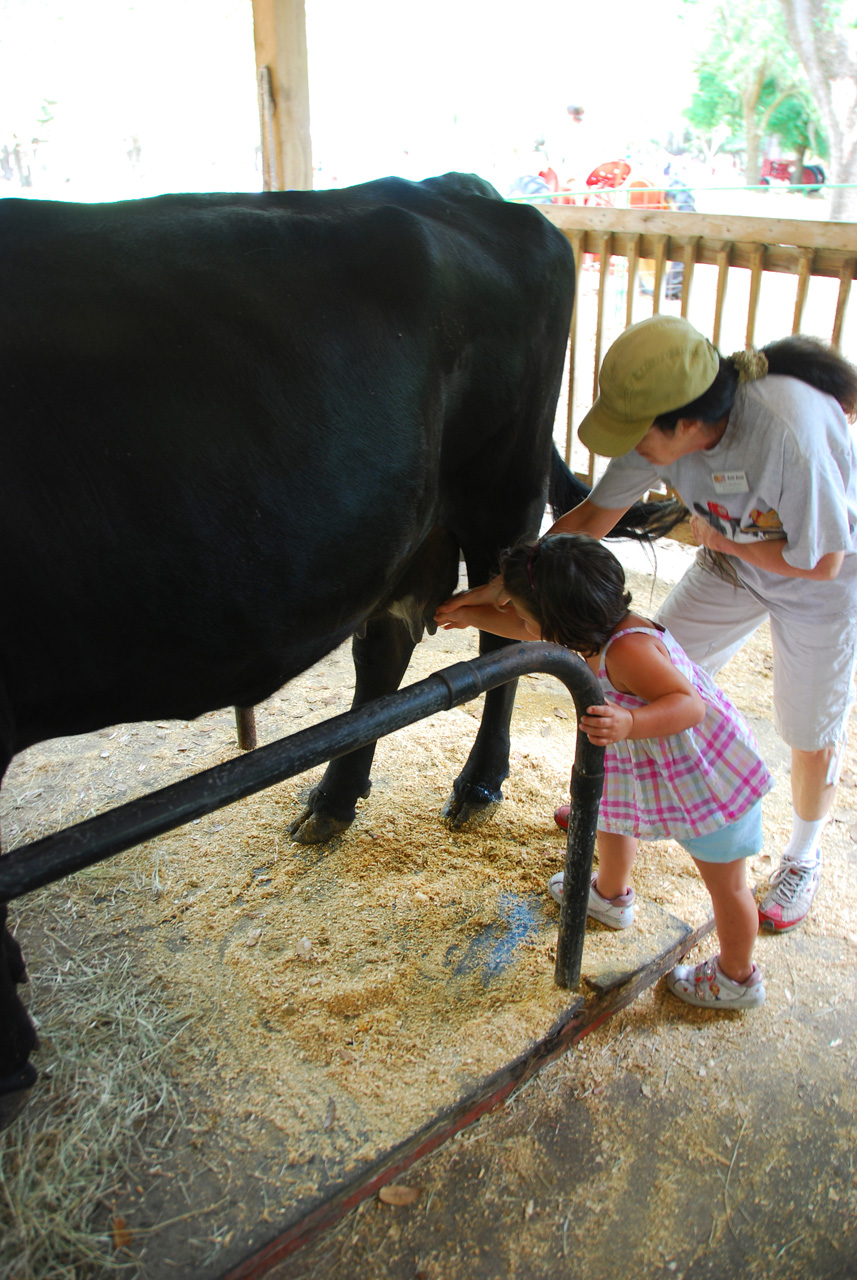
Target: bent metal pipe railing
(43, 861)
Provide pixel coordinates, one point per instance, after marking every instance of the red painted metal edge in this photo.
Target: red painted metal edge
(578, 1021)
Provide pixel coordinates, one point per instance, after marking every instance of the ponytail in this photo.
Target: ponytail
(817, 364)
(809, 359)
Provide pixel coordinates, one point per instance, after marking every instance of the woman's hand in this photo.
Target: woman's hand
(607, 723)
(705, 535)
(765, 554)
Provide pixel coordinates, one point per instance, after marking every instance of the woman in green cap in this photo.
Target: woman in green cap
(758, 447)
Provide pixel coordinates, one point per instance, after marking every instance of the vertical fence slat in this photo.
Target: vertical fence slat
(660, 272)
(804, 273)
(604, 254)
(723, 256)
(603, 269)
(576, 239)
(757, 260)
(688, 262)
(633, 263)
(846, 275)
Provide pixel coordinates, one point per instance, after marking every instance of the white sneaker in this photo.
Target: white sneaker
(707, 986)
(789, 899)
(616, 913)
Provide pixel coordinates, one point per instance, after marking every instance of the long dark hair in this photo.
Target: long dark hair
(809, 359)
(572, 585)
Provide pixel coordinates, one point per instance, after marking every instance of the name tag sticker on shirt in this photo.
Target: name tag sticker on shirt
(730, 482)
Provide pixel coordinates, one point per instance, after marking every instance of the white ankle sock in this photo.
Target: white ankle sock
(802, 848)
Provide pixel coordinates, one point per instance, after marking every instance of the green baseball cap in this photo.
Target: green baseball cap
(655, 366)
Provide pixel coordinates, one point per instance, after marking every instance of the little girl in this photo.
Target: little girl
(679, 762)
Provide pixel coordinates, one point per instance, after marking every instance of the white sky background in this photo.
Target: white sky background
(470, 84)
(177, 74)
(396, 86)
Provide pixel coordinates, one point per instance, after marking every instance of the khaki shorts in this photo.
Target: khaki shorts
(813, 662)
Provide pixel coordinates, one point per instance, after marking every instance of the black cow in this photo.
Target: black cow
(237, 429)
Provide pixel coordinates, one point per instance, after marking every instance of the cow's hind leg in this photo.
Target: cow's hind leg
(17, 1034)
(18, 1037)
(381, 657)
(476, 791)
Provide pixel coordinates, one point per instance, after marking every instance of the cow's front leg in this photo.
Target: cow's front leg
(18, 1037)
(381, 657)
(476, 791)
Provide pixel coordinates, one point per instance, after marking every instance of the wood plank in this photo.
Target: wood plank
(720, 299)
(660, 256)
(782, 255)
(689, 258)
(279, 33)
(757, 267)
(837, 236)
(577, 249)
(802, 289)
(633, 265)
(603, 250)
(267, 131)
(845, 279)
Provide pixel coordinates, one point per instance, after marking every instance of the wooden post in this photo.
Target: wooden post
(279, 30)
(245, 724)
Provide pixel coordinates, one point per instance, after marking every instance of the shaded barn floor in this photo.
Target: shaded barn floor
(308, 1012)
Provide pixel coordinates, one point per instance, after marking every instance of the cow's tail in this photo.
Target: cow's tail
(643, 522)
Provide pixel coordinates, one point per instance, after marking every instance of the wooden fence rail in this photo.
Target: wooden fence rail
(626, 245)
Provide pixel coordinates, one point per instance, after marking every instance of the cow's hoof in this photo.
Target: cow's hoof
(470, 806)
(14, 1092)
(317, 828)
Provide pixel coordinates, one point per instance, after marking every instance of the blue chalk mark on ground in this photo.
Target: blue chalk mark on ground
(491, 951)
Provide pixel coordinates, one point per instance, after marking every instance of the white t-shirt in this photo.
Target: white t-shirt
(786, 467)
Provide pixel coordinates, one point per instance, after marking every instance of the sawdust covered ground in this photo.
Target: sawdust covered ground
(671, 1141)
(341, 995)
(336, 997)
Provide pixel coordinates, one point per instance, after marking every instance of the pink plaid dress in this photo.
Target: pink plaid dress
(689, 784)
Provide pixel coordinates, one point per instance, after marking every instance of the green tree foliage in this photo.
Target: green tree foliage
(824, 35)
(713, 103)
(750, 84)
(795, 123)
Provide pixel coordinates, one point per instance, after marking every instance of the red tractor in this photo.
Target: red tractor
(811, 177)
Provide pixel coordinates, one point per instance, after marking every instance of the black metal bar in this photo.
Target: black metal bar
(31, 866)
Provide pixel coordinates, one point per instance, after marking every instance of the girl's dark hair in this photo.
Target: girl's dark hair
(809, 359)
(572, 585)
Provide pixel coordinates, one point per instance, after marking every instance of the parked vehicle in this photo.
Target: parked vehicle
(812, 176)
